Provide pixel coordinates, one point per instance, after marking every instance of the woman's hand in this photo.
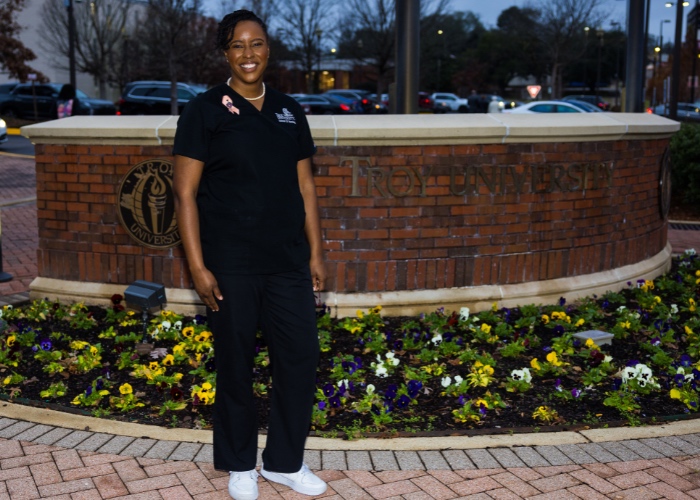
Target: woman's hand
(207, 288)
(318, 273)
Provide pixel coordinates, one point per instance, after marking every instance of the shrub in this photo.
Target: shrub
(685, 157)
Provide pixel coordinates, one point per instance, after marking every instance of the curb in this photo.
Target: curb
(43, 416)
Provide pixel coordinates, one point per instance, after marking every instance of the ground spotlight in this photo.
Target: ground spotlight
(145, 295)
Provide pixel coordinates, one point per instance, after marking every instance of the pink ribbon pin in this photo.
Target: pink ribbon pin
(226, 101)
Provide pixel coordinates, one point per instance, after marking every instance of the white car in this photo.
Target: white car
(546, 107)
(444, 102)
(3, 131)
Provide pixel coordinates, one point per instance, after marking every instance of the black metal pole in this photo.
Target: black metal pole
(407, 55)
(71, 43)
(676, 68)
(634, 97)
(4, 277)
(695, 50)
(647, 15)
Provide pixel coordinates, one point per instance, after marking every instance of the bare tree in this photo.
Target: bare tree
(166, 40)
(13, 54)
(99, 30)
(370, 38)
(303, 23)
(561, 27)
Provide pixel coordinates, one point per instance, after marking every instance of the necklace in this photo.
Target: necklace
(228, 82)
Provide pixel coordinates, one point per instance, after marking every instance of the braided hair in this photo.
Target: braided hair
(228, 24)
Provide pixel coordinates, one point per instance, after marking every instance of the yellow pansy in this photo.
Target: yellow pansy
(545, 319)
(626, 324)
(7, 380)
(153, 365)
(179, 349)
(177, 376)
(675, 394)
(104, 392)
(486, 328)
(580, 322)
(206, 387)
(188, 331)
(78, 344)
(688, 330)
(657, 299)
(360, 314)
(691, 303)
(552, 358)
(168, 360)
(535, 364)
(480, 402)
(93, 350)
(377, 309)
(126, 389)
(10, 340)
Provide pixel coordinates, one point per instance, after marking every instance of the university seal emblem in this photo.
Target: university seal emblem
(145, 204)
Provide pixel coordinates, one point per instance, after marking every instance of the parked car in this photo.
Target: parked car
(5, 90)
(446, 102)
(686, 111)
(21, 100)
(595, 100)
(425, 102)
(586, 106)
(153, 97)
(327, 104)
(546, 107)
(3, 131)
(369, 105)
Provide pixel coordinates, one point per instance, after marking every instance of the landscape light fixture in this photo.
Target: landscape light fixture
(145, 295)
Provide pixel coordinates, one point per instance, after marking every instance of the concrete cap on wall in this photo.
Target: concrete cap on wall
(382, 130)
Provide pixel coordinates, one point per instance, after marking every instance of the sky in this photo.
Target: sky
(488, 12)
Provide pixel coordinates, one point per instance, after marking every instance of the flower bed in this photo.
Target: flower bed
(443, 371)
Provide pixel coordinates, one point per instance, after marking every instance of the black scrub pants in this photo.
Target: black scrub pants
(283, 306)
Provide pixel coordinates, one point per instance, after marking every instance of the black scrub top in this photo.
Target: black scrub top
(251, 212)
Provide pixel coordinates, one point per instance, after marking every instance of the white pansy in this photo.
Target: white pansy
(523, 375)
(674, 309)
(607, 359)
(458, 379)
(464, 313)
(392, 359)
(690, 251)
(621, 308)
(446, 382)
(436, 339)
(178, 325)
(344, 382)
(628, 373)
(380, 371)
(370, 389)
(166, 325)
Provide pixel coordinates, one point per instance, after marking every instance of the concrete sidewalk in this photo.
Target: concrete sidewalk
(45, 454)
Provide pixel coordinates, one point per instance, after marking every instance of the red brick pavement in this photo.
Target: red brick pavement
(29, 471)
(19, 237)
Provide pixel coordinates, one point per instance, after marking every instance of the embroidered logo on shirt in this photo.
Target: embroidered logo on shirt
(286, 117)
(226, 101)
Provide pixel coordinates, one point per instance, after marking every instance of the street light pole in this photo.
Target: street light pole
(600, 34)
(695, 50)
(319, 32)
(71, 42)
(676, 68)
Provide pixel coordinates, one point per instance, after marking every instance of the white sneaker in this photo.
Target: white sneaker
(304, 481)
(243, 485)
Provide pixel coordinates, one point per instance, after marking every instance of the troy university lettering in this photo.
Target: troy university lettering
(397, 182)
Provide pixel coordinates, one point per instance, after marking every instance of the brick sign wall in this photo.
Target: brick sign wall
(394, 218)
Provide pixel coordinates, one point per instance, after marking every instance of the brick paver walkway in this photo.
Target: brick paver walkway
(44, 461)
(41, 461)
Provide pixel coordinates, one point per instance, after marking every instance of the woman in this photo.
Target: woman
(248, 216)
